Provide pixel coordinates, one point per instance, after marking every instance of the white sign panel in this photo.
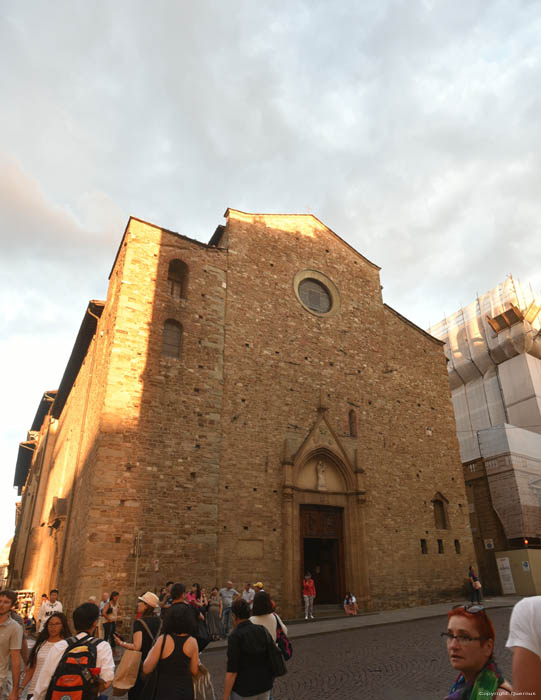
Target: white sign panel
(506, 575)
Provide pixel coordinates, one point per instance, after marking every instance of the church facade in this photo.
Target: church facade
(245, 409)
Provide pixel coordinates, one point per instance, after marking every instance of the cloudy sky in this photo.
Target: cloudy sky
(411, 128)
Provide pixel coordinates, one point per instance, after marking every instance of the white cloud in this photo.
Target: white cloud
(410, 128)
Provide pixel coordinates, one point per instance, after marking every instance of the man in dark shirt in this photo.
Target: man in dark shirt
(248, 668)
(178, 597)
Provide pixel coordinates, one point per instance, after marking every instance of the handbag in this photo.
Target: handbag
(202, 685)
(276, 660)
(203, 636)
(477, 585)
(127, 670)
(282, 641)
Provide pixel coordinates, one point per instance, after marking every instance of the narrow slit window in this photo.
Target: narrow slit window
(424, 547)
(440, 546)
(172, 335)
(177, 279)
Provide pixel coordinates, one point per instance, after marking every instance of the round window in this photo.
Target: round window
(315, 296)
(316, 292)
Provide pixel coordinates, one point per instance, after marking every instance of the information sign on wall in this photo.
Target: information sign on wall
(506, 575)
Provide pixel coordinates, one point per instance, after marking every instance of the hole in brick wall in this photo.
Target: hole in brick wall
(419, 405)
(305, 358)
(226, 486)
(460, 505)
(193, 474)
(245, 527)
(331, 364)
(117, 539)
(243, 400)
(196, 390)
(188, 507)
(225, 527)
(276, 352)
(122, 502)
(271, 264)
(274, 529)
(424, 547)
(274, 491)
(200, 366)
(370, 403)
(326, 250)
(426, 531)
(255, 489)
(128, 467)
(197, 446)
(246, 345)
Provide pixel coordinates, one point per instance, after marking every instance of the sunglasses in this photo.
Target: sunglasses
(473, 608)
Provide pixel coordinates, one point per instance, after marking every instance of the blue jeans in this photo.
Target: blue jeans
(226, 620)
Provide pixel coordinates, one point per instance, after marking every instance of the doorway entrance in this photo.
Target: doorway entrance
(322, 550)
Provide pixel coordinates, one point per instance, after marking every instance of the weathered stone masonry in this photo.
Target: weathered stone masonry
(213, 455)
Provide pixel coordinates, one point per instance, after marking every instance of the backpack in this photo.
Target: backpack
(74, 678)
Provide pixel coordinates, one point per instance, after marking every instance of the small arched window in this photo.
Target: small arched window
(172, 335)
(440, 517)
(352, 423)
(177, 279)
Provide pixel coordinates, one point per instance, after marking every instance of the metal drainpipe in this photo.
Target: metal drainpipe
(79, 449)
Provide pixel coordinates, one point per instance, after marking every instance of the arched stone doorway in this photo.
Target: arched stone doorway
(323, 501)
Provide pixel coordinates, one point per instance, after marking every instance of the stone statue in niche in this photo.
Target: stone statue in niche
(321, 481)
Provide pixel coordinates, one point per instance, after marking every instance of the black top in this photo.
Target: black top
(174, 675)
(153, 624)
(247, 656)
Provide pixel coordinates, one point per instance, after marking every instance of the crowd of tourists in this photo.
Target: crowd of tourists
(161, 659)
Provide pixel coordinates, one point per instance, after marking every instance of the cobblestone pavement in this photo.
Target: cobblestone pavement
(404, 661)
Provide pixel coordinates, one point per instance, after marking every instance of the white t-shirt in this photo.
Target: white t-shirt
(46, 610)
(42, 654)
(268, 621)
(525, 625)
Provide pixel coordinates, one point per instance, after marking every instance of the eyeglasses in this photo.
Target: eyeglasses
(460, 638)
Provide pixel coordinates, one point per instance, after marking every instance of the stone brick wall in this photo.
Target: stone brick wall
(190, 451)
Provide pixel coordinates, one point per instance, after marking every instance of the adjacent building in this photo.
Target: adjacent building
(493, 350)
(245, 409)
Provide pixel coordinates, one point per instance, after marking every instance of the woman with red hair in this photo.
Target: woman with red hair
(470, 644)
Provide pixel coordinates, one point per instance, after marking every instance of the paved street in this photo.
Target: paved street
(400, 661)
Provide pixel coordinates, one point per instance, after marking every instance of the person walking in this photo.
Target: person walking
(145, 630)
(214, 614)
(308, 593)
(475, 586)
(525, 640)
(48, 607)
(11, 638)
(176, 655)
(470, 638)
(85, 621)
(55, 630)
(227, 594)
(248, 674)
(111, 612)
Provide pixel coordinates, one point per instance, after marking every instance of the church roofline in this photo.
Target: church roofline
(245, 213)
(161, 228)
(414, 325)
(78, 354)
